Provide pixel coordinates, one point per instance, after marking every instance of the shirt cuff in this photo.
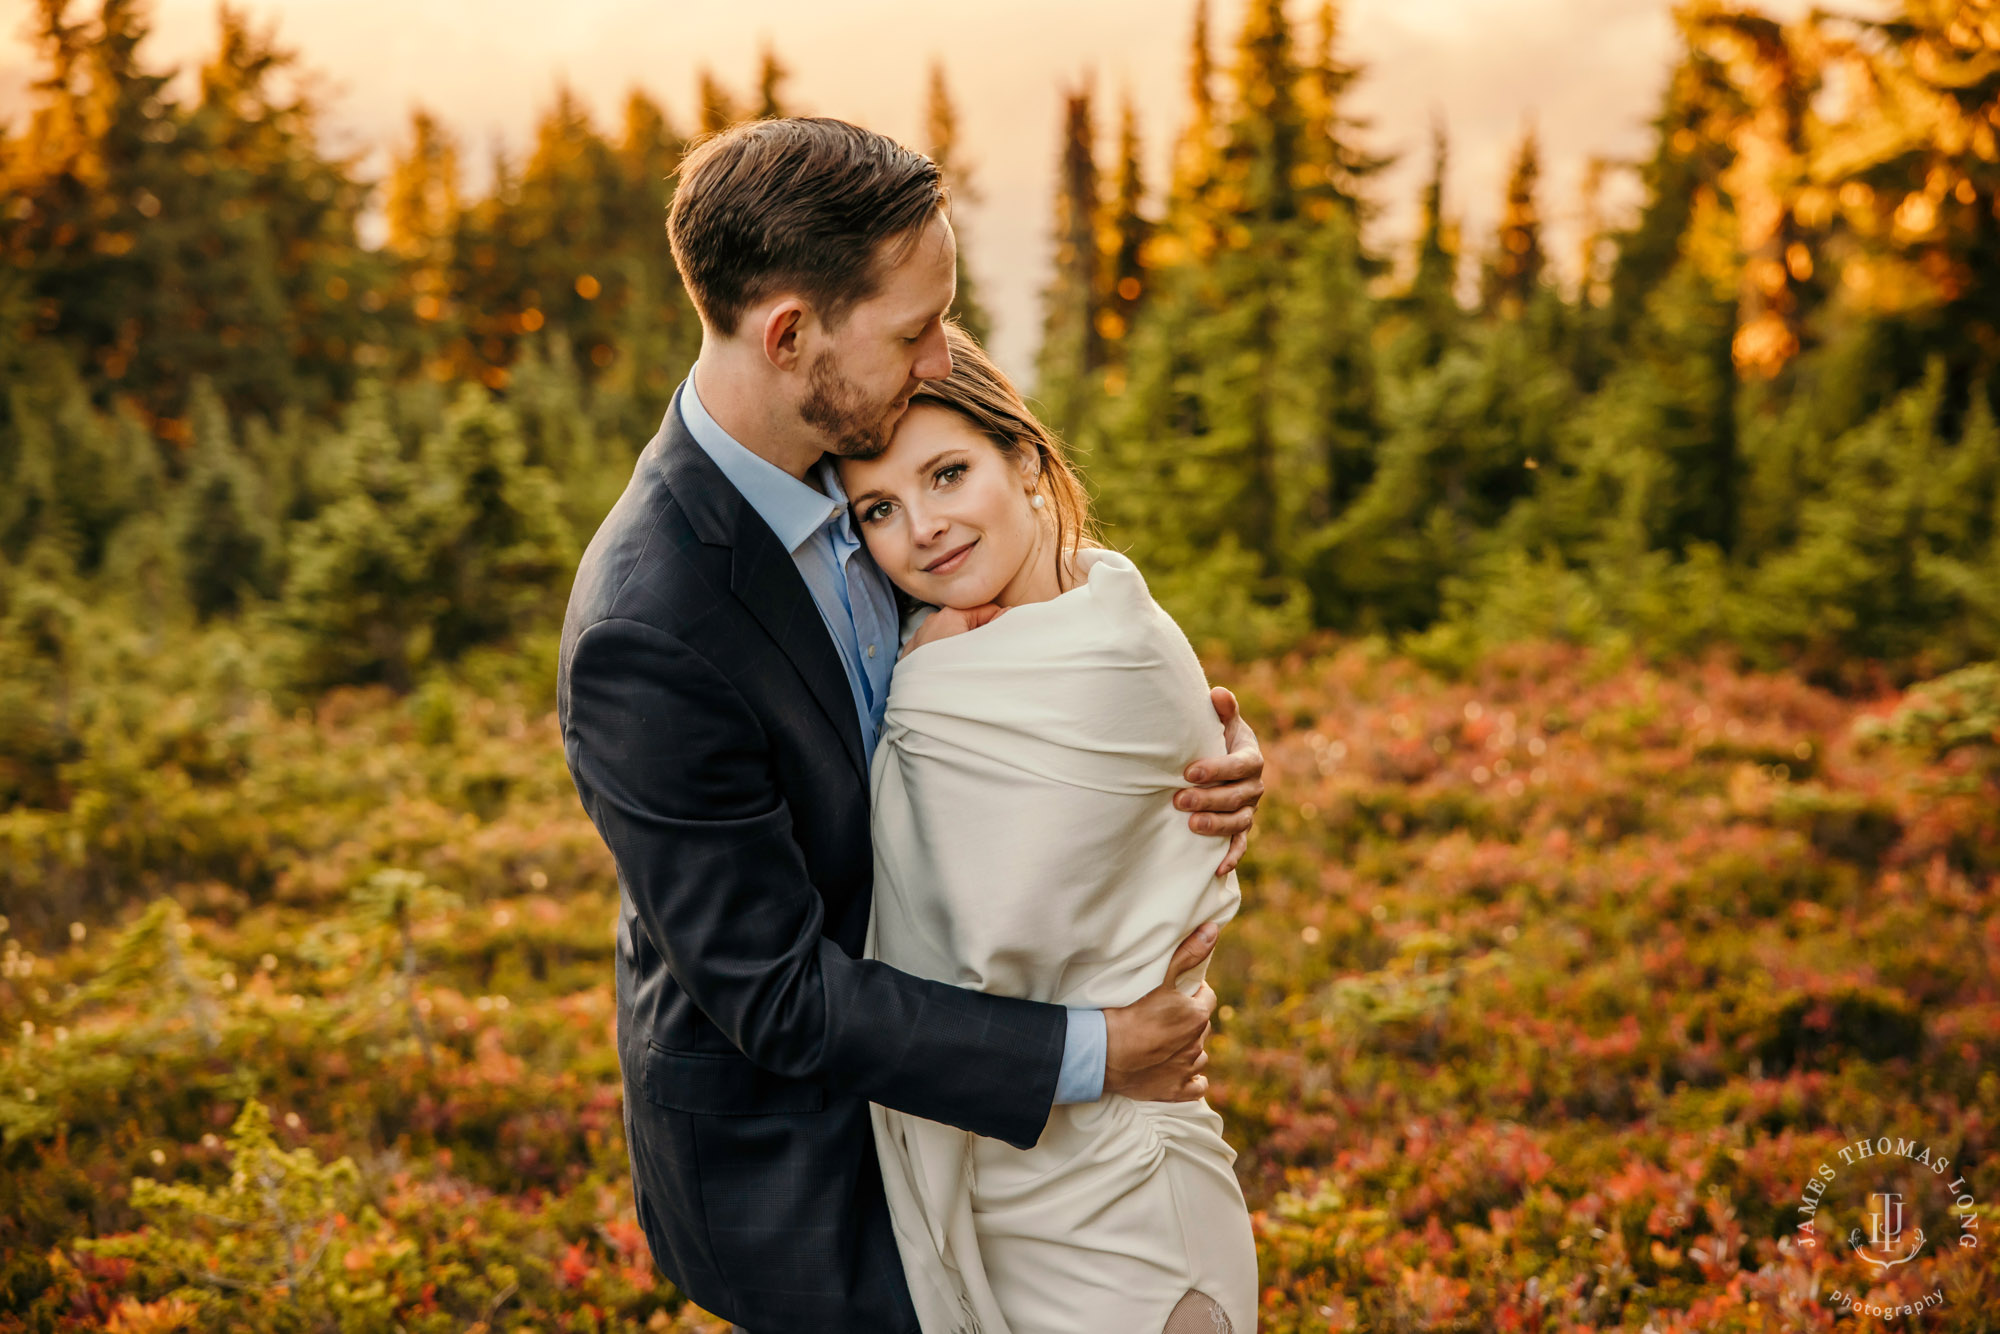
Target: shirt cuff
(1084, 1051)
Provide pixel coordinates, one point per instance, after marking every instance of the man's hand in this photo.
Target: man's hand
(948, 621)
(1153, 1047)
(1227, 790)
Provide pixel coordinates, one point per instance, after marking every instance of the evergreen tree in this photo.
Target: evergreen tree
(1127, 230)
(1430, 303)
(1770, 87)
(164, 242)
(1072, 345)
(1896, 553)
(414, 560)
(941, 137)
(771, 77)
(290, 217)
(421, 203)
(1513, 273)
(1264, 147)
(541, 252)
(1338, 170)
(718, 109)
(220, 521)
(1685, 167)
(658, 333)
(1190, 230)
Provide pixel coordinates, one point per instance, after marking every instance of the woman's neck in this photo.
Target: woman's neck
(1039, 579)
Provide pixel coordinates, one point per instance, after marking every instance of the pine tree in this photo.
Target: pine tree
(415, 560)
(220, 522)
(941, 136)
(1191, 227)
(657, 331)
(421, 204)
(293, 215)
(1895, 556)
(771, 77)
(1072, 346)
(718, 109)
(1772, 85)
(425, 215)
(1337, 170)
(542, 248)
(1432, 296)
(1513, 273)
(1685, 167)
(1264, 148)
(1127, 230)
(163, 242)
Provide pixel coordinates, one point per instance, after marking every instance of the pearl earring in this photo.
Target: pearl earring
(1037, 500)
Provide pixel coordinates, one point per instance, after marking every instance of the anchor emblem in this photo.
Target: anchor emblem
(1885, 1229)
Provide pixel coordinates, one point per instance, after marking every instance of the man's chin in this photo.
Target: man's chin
(857, 446)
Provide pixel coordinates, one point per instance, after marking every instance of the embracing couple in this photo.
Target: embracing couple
(925, 817)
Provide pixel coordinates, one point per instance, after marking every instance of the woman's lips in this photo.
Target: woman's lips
(952, 560)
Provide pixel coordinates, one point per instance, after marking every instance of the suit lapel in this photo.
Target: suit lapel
(762, 576)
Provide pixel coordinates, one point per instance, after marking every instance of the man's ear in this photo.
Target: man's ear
(783, 323)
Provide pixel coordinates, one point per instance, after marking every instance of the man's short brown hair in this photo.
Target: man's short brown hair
(799, 205)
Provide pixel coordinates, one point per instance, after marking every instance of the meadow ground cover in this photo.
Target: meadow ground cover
(1557, 982)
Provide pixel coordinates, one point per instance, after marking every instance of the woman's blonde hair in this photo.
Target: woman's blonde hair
(981, 393)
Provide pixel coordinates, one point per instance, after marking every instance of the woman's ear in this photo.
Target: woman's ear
(1029, 461)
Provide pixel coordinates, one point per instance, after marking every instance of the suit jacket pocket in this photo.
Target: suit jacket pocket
(722, 1084)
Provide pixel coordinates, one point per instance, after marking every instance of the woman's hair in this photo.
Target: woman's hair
(980, 392)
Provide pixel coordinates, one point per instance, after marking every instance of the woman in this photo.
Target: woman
(1026, 843)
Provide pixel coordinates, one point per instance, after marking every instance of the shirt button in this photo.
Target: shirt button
(871, 650)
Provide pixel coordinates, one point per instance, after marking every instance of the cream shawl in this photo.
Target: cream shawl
(1026, 844)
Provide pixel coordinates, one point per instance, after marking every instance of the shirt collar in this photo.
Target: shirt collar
(795, 510)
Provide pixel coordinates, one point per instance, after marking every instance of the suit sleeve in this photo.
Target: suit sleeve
(675, 771)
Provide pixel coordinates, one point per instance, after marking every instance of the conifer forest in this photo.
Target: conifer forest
(1622, 630)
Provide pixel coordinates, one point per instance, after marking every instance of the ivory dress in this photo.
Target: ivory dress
(1026, 844)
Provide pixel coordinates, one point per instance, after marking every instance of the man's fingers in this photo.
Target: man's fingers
(1205, 998)
(1234, 767)
(1222, 824)
(1239, 843)
(1226, 707)
(950, 621)
(1192, 951)
(1221, 796)
(980, 615)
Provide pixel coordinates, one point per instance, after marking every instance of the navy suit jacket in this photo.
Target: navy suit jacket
(713, 740)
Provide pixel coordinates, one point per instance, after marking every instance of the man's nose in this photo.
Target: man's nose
(933, 355)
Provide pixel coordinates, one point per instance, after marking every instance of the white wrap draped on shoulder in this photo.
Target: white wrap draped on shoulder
(1026, 844)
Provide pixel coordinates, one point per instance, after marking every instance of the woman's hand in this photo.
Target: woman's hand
(1226, 791)
(948, 621)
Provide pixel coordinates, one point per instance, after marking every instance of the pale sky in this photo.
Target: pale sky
(1588, 73)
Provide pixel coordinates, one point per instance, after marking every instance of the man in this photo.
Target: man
(723, 669)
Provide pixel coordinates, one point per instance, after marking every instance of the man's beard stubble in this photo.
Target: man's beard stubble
(835, 406)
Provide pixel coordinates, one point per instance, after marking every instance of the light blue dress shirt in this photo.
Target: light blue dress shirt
(858, 604)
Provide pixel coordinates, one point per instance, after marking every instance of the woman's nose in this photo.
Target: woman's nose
(926, 526)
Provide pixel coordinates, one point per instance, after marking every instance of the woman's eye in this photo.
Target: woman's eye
(950, 473)
(879, 510)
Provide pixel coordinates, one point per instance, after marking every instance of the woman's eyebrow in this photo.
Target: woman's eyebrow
(862, 499)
